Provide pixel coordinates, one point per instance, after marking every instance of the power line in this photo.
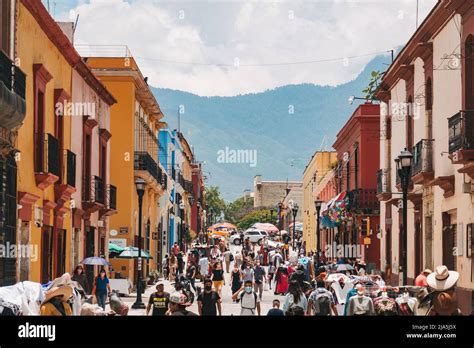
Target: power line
(264, 64)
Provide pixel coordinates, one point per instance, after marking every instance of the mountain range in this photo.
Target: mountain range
(282, 128)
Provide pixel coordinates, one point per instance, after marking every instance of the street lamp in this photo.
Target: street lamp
(140, 185)
(403, 163)
(317, 204)
(294, 208)
(271, 215)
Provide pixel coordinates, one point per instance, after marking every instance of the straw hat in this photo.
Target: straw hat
(442, 279)
(65, 291)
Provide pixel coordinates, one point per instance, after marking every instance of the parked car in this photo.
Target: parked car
(255, 236)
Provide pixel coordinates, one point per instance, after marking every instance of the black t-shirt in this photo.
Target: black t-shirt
(275, 312)
(217, 274)
(190, 271)
(159, 303)
(209, 301)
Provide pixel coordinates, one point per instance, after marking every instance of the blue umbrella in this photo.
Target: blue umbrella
(96, 261)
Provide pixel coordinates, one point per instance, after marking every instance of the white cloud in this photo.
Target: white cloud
(255, 32)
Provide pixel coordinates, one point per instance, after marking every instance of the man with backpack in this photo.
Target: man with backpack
(249, 301)
(321, 301)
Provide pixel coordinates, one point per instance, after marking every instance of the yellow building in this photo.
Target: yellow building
(316, 169)
(134, 123)
(46, 163)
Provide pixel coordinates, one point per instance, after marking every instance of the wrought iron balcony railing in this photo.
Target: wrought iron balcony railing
(422, 157)
(47, 154)
(461, 131)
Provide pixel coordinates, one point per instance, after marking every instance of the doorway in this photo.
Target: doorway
(8, 236)
(449, 242)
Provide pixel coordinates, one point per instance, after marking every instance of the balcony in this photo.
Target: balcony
(147, 169)
(64, 189)
(12, 94)
(188, 186)
(110, 207)
(422, 166)
(93, 194)
(47, 154)
(461, 141)
(364, 201)
(383, 185)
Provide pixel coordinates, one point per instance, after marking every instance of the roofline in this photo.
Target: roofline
(66, 48)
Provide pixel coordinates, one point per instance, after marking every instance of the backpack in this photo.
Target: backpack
(322, 305)
(293, 307)
(231, 257)
(255, 300)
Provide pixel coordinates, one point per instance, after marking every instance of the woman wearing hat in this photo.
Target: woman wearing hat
(443, 282)
(55, 303)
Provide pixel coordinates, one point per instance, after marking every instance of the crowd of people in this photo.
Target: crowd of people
(299, 284)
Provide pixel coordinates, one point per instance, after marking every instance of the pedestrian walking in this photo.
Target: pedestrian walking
(80, 277)
(236, 280)
(166, 267)
(295, 298)
(191, 272)
(249, 301)
(159, 301)
(275, 311)
(321, 301)
(173, 266)
(204, 267)
(101, 288)
(238, 259)
(175, 249)
(248, 272)
(259, 279)
(209, 301)
(271, 273)
(180, 264)
(281, 281)
(218, 277)
(227, 260)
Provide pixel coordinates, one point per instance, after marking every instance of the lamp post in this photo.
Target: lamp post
(140, 185)
(403, 163)
(317, 204)
(271, 215)
(294, 208)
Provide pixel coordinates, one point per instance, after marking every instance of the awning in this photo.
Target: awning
(132, 253)
(114, 248)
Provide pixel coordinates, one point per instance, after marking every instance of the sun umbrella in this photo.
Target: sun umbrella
(95, 261)
(132, 253)
(270, 228)
(344, 267)
(114, 248)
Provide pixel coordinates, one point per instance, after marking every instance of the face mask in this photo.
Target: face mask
(248, 289)
(208, 287)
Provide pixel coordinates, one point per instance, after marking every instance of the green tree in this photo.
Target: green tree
(214, 202)
(252, 217)
(375, 78)
(238, 209)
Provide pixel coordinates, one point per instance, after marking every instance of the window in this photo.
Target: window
(428, 94)
(41, 78)
(5, 8)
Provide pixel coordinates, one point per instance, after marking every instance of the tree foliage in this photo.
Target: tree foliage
(375, 78)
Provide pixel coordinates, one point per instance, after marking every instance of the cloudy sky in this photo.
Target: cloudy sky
(211, 47)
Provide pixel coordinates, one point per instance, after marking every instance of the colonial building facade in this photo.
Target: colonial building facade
(427, 99)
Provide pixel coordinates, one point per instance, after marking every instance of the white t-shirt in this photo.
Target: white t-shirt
(204, 266)
(248, 303)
